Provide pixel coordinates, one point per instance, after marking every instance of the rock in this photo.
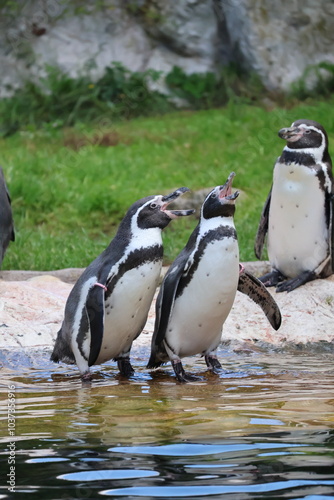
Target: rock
(31, 313)
(69, 275)
(186, 27)
(280, 43)
(88, 42)
(196, 35)
(307, 316)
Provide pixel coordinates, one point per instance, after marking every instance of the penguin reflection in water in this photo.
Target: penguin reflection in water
(299, 210)
(199, 288)
(108, 306)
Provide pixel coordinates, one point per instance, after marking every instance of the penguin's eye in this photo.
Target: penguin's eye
(153, 205)
(307, 131)
(214, 195)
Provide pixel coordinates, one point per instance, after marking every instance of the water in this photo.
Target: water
(262, 429)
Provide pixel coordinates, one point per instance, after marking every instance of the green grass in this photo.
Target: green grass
(67, 202)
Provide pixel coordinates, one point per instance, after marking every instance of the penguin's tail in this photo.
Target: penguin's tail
(62, 351)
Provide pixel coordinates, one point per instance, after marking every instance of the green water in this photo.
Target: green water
(264, 428)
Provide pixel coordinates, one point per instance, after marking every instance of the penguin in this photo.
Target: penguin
(109, 304)
(7, 233)
(298, 214)
(199, 289)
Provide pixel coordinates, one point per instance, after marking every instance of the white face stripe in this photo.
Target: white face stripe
(318, 152)
(207, 225)
(134, 223)
(216, 190)
(141, 238)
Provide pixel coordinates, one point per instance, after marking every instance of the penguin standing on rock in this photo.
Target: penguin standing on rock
(299, 210)
(108, 306)
(6, 218)
(199, 288)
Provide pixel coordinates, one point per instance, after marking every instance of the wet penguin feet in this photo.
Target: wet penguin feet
(125, 367)
(212, 363)
(87, 376)
(181, 375)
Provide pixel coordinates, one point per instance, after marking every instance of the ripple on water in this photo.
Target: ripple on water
(263, 427)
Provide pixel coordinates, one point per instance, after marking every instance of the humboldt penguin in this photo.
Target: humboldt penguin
(199, 288)
(297, 216)
(108, 306)
(7, 233)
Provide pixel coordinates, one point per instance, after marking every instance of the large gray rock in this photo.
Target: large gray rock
(277, 42)
(43, 34)
(31, 312)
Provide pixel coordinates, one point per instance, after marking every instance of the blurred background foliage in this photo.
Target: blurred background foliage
(77, 154)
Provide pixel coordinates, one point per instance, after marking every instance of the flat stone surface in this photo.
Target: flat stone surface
(31, 311)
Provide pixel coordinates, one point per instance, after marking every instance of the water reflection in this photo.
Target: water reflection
(264, 427)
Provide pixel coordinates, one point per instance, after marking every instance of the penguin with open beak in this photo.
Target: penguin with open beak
(199, 289)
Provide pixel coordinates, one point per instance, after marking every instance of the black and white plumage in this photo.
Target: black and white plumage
(199, 288)
(108, 306)
(7, 233)
(297, 216)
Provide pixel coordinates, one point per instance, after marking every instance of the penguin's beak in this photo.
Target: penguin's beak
(166, 200)
(225, 191)
(291, 134)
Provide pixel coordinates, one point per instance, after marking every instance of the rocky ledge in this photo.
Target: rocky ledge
(32, 306)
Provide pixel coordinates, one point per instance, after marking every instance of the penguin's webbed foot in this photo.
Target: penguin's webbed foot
(125, 367)
(292, 284)
(272, 279)
(86, 376)
(181, 375)
(212, 363)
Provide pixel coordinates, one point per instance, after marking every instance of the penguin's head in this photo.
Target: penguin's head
(220, 202)
(306, 134)
(153, 210)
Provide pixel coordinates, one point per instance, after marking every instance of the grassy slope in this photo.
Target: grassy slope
(67, 204)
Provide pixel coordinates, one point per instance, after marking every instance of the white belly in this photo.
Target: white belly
(297, 233)
(200, 312)
(127, 308)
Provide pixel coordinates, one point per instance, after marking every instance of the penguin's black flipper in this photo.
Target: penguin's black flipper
(7, 233)
(262, 229)
(251, 286)
(332, 229)
(165, 302)
(95, 313)
(12, 231)
(163, 309)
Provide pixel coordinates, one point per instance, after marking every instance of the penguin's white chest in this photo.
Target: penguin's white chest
(199, 313)
(127, 308)
(297, 232)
